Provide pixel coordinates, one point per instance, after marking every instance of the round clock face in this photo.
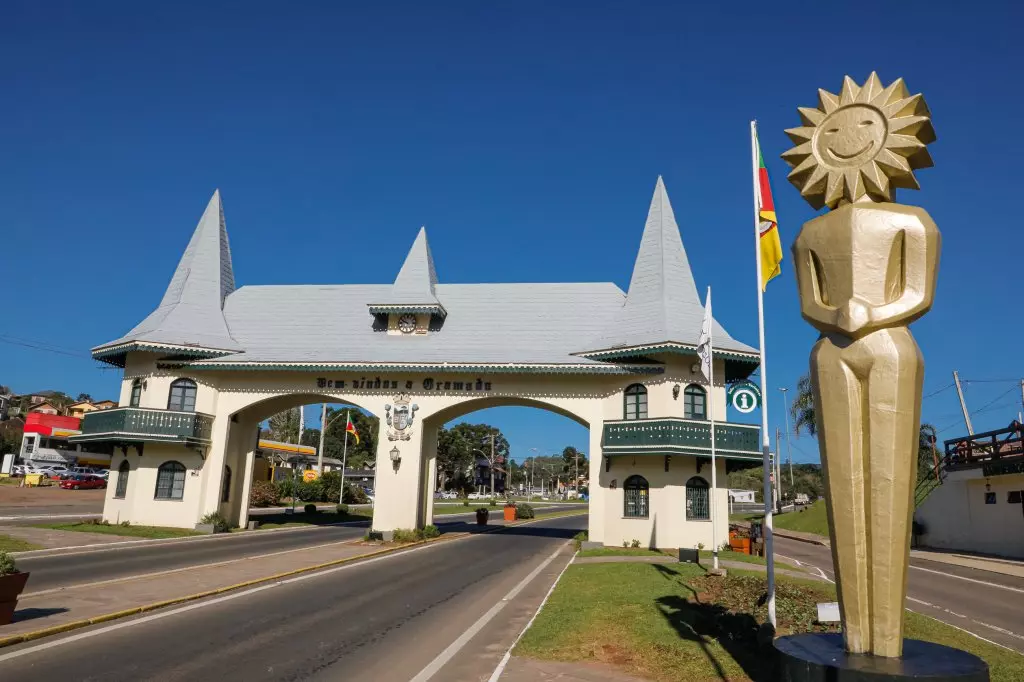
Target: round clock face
(407, 324)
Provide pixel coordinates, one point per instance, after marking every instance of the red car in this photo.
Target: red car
(83, 481)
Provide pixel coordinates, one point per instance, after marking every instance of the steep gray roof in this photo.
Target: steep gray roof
(486, 323)
(662, 305)
(191, 310)
(417, 280)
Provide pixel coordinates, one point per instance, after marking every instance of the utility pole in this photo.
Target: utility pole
(323, 432)
(963, 405)
(576, 483)
(491, 468)
(789, 445)
(1021, 400)
(778, 469)
(302, 422)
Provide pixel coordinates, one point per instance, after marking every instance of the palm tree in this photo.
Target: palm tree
(803, 413)
(802, 409)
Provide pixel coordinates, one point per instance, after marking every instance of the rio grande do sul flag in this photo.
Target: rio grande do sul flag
(768, 227)
(351, 428)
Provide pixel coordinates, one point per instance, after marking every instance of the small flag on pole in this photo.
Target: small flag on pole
(768, 227)
(350, 428)
(704, 343)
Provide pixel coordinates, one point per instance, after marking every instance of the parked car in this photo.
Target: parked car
(83, 482)
(53, 471)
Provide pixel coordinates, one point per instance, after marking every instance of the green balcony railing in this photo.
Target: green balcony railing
(131, 424)
(673, 435)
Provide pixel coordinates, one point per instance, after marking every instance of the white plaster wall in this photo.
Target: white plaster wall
(666, 525)
(140, 506)
(957, 518)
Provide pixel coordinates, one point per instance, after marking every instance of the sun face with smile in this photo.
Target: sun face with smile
(861, 144)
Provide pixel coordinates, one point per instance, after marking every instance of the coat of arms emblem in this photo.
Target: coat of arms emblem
(400, 417)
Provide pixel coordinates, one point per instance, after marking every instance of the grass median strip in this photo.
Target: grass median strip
(9, 544)
(154, 532)
(673, 622)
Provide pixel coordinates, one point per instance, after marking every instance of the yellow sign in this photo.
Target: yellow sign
(310, 475)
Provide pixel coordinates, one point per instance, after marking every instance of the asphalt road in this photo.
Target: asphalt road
(381, 620)
(99, 564)
(984, 603)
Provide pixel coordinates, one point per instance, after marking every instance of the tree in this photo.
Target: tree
(455, 449)
(802, 409)
(284, 426)
(359, 455)
(573, 461)
(83, 398)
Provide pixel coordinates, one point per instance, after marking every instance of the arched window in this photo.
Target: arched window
(225, 486)
(695, 402)
(698, 500)
(170, 481)
(136, 393)
(183, 396)
(122, 479)
(636, 498)
(635, 402)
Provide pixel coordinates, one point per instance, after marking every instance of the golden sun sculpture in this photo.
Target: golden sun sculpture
(860, 145)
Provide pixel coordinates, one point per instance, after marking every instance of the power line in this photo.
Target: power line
(39, 345)
(938, 391)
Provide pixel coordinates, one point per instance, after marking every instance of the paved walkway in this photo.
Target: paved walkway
(40, 610)
(724, 563)
(1012, 567)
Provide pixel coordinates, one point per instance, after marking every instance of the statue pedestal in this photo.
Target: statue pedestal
(821, 658)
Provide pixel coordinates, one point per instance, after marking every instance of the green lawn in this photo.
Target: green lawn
(9, 544)
(812, 519)
(620, 551)
(116, 529)
(672, 622)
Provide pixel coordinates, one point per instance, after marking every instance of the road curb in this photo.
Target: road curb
(809, 541)
(85, 622)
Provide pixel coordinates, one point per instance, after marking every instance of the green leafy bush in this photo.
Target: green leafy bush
(429, 532)
(405, 535)
(341, 509)
(331, 484)
(494, 503)
(285, 487)
(309, 491)
(264, 494)
(525, 511)
(355, 495)
(635, 544)
(465, 503)
(126, 524)
(7, 566)
(217, 520)
(579, 539)
(310, 508)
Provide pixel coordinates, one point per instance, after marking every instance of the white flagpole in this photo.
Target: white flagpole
(711, 415)
(344, 458)
(765, 444)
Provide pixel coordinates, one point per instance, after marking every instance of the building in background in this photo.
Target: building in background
(44, 442)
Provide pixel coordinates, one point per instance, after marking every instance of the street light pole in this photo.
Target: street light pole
(491, 468)
(789, 445)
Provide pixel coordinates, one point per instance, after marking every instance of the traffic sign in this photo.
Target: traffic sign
(745, 396)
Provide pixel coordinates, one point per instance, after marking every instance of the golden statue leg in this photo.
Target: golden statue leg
(839, 417)
(893, 401)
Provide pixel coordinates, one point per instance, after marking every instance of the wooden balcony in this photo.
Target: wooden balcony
(677, 436)
(1000, 451)
(124, 425)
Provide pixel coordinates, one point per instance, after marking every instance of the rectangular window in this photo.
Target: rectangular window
(1014, 496)
(30, 444)
(636, 503)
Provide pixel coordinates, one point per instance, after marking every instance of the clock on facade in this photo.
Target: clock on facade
(407, 324)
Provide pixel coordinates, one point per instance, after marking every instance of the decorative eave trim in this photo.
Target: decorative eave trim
(451, 367)
(655, 450)
(115, 355)
(667, 347)
(384, 308)
(132, 436)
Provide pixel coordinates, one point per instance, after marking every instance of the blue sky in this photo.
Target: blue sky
(526, 136)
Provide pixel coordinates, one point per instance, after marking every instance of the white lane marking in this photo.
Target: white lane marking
(203, 604)
(970, 580)
(190, 567)
(442, 658)
(508, 654)
(49, 516)
(939, 608)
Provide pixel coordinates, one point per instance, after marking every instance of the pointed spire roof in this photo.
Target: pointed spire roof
(662, 305)
(415, 288)
(191, 310)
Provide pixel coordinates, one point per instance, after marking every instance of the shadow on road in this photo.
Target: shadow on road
(32, 614)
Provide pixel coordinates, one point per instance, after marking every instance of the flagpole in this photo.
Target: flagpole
(711, 414)
(344, 458)
(765, 444)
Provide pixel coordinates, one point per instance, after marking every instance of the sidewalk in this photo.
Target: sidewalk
(1012, 567)
(791, 571)
(77, 606)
